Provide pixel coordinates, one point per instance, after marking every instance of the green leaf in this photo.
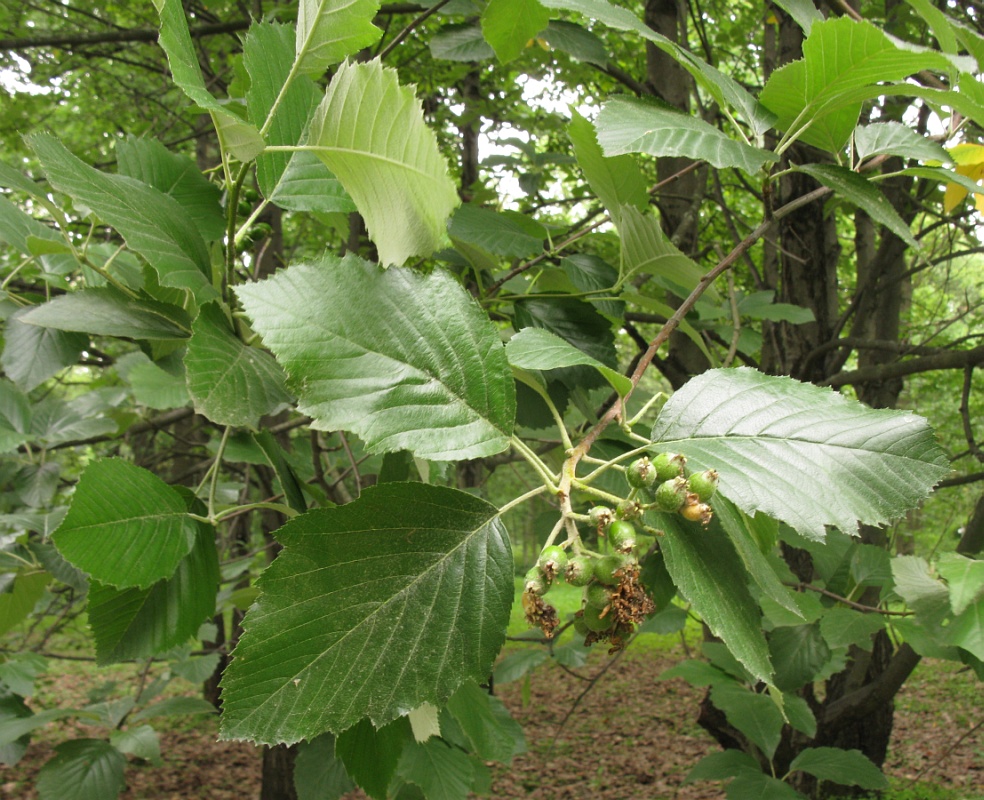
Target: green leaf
(774, 440)
(125, 527)
(799, 714)
(460, 42)
(13, 707)
(725, 90)
(843, 627)
(370, 756)
(20, 230)
(55, 421)
(17, 601)
(938, 23)
(896, 139)
(803, 12)
(864, 194)
(535, 348)
(967, 630)
(617, 181)
(518, 664)
(176, 175)
(442, 772)
(235, 134)
(798, 652)
(818, 99)
(760, 786)
(175, 707)
(32, 354)
(329, 31)
(151, 222)
(289, 482)
(230, 382)
(589, 273)
(35, 484)
(704, 567)
(503, 233)
(924, 594)
(82, 769)
(20, 670)
(722, 765)
(109, 312)
(755, 715)
(486, 722)
(429, 346)
(964, 577)
(138, 623)
(318, 774)
(296, 181)
(400, 184)
(508, 25)
(646, 250)
(762, 305)
(140, 742)
(578, 42)
(634, 126)
(155, 387)
(848, 767)
(334, 637)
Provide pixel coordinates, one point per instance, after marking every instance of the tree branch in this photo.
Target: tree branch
(955, 359)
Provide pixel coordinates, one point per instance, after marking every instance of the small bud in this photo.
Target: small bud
(672, 494)
(704, 484)
(668, 466)
(641, 474)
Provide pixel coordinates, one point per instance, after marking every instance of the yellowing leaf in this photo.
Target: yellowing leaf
(969, 159)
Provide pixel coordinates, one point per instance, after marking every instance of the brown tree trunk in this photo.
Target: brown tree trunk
(278, 773)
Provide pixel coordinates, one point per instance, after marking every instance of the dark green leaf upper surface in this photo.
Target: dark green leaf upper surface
(125, 527)
(405, 360)
(805, 455)
(371, 609)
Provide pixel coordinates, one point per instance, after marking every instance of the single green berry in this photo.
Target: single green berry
(581, 626)
(606, 567)
(668, 466)
(641, 474)
(597, 619)
(704, 484)
(672, 494)
(580, 570)
(597, 595)
(601, 517)
(622, 535)
(628, 509)
(535, 583)
(552, 561)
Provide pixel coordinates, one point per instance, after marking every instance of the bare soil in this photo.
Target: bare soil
(631, 736)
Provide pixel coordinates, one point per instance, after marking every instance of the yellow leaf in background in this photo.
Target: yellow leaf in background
(969, 159)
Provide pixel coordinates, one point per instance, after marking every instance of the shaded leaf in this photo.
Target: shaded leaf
(32, 354)
(370, 755)
(486, 722)
(964, 577)
(535, 348)
(798, 652)
(967, 630)
(334, 637)
(151, 222)
(722, 765)
(230, 382)
(849, 767)
(843, 627)
(17, 601)
(140, 742)
(460, 42)
(429, 345)
(442, 772)
(578, 42)
(773, 440)
(755, 715)
(318, 774)
(497, 232)
(508, 25)
(109, 312)
(82, 769)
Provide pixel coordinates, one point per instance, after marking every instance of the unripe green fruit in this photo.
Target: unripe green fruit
(580, 570)
(622, 535)
(606, 567)
(552, 560)
(704, 484)
(581, 626)
(672, 494)
(594, 621)
(641, 474)
(601, 517)
(597, 595)
(668, 466)
(628, 509)
(534, 582)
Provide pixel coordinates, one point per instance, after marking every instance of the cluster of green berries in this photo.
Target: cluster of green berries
(665, 476)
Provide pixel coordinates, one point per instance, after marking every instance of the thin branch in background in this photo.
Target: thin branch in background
(965, 414)
(946, 753)
(354, 464)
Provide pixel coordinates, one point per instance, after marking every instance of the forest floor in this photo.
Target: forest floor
(631, 736)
